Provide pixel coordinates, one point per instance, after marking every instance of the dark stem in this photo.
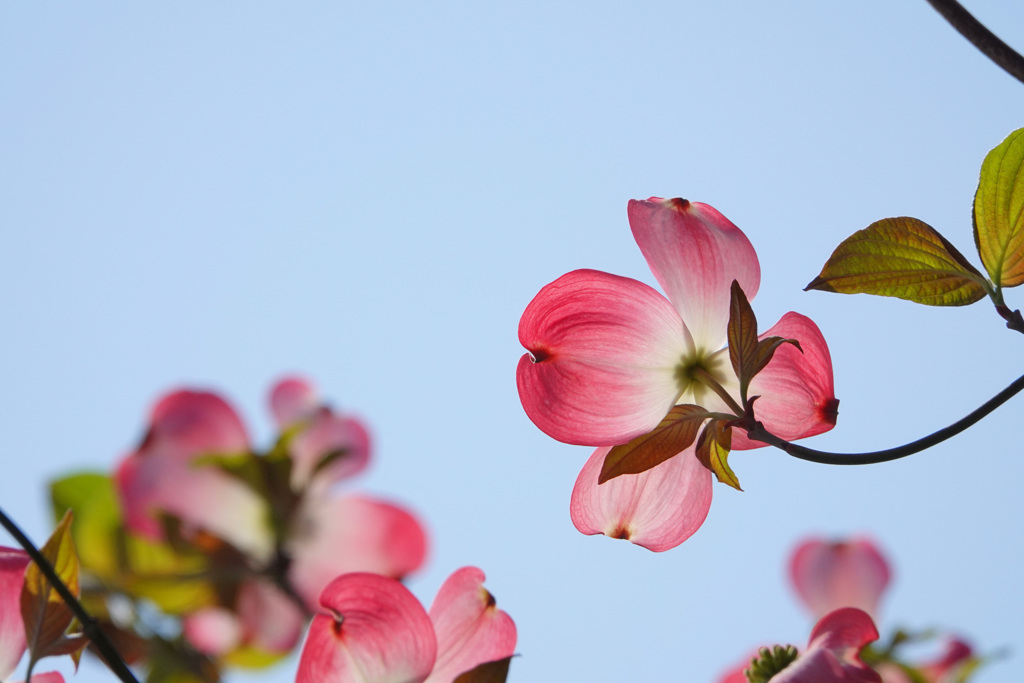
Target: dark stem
(983, 39)
(90, 627)
(759, 433)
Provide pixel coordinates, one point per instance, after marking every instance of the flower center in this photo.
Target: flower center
(692, 373)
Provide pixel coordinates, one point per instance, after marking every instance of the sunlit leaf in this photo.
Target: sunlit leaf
(904, 258)
(713, 448)
(742, 333)
(488, 672)
(44, 612)
(999, 212)
(676, 432)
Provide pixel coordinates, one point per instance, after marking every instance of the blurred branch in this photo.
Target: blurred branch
(759, 433)
(90, 627)
(983, 39)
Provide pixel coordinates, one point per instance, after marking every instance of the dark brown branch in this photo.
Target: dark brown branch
(90, 627)
(824, 457)
(983, 39)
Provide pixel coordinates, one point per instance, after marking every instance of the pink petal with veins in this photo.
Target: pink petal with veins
(657, 509)
(603, 350)
(830, 575)
(373, 631)
(695, 253)
(833, 653)
(327, 433)
(470, 629)
(796, 389)
(293, 399)
(352, 534)
(12, 630)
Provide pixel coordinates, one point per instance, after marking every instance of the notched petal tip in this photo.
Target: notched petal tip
(829, 412)
(678, 203)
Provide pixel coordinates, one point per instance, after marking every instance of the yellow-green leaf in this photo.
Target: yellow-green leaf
(488, 672)
(713, 448)
(904, 258)
(673, 435)
(45, 614)
(999, 212)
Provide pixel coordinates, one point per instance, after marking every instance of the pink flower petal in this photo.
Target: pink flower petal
(161, 476)
(845, 574)
(184, 424)
(956, 652)
(603, 349)
(695, 253)
(48, 677)
(202, 497)
(833, 653)
(213, 631)
(12, 630)
(327, 433)
(796, 389)
(292, 400)
(352, 534)
(272, 622)
(374, 631)
(657, 509)
(470, 629)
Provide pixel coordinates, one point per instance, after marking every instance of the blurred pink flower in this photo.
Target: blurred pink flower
(371, 629)
(327, 535)
(832, 574)
(609, 356)
(833, 652)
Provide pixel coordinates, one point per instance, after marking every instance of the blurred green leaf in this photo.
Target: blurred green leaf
(676, 432)
(999, 212)
(904, 258)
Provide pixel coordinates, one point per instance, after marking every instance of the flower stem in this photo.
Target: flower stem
(711, 383)
(759, 433)
(982, 38)
(90, 627)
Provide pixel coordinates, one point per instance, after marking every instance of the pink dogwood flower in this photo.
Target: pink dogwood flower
(373, 630)
(13, 563)
(609, 357)
(832, 574)
(833, 653)
(327, 535)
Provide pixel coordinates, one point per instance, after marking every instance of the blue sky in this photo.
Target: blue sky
(370, 194)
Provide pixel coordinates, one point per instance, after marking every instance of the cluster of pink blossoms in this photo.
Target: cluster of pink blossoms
(841, 585)
(609, 357)
(270, 544)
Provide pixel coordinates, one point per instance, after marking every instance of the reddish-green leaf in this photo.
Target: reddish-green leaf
(713, 448)
(488, 672)
(44, 612)
(904, 258)
(742, 333)
(674, 434)
(999, 211)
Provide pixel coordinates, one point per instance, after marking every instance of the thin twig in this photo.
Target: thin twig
(983, 39)
(90, 627)
(759, 433)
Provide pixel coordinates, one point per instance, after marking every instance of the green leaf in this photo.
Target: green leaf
(713, 448)
(123, 561)
(45, 614)
(673, 435)
(488, 672)
(904, 258)
(999, 212)
(742, 334)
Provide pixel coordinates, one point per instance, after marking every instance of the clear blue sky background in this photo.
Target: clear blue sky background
(370, 193)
